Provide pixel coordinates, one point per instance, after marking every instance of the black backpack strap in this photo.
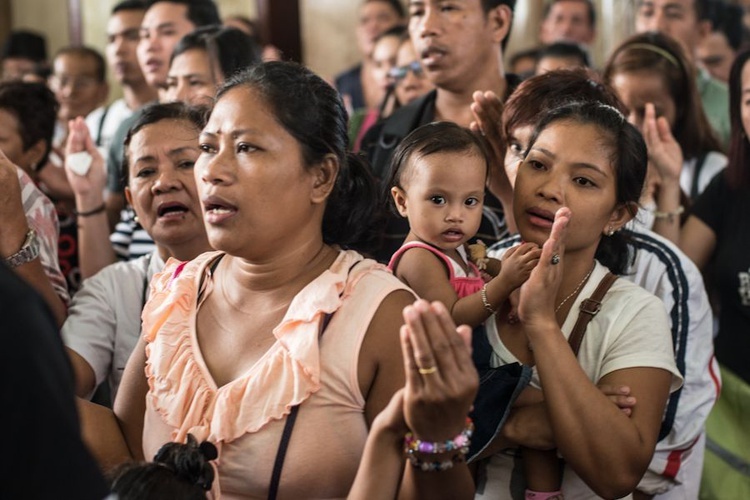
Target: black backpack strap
(699, 162)
(286, 435)
(394, 129)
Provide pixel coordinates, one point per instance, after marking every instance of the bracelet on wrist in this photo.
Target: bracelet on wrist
(485, 302)
(427, 466)
(460, 442)
(101, 208)
(670, 216)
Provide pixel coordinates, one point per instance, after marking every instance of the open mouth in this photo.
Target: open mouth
(173, 209)
(540, 217)
(432, 55)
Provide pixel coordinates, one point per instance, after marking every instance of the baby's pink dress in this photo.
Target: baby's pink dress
(463, 284)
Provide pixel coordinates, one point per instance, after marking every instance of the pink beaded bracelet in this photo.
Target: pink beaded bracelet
(460, 443)
(427, 466)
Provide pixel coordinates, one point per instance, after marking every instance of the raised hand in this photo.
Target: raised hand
(441, 381)
(537, 295)
(487, 109)
(89, 187)
(664, 153)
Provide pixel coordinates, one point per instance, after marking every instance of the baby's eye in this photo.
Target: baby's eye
(515, 148)
(438, 200)
(471, 202)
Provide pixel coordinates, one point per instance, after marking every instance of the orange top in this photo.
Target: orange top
(245, 417)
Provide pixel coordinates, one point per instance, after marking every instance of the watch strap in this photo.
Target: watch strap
(28, 252)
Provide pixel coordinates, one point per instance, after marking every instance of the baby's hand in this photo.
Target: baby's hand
(518, 262)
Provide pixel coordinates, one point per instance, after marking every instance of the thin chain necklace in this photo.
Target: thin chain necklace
(585, 278)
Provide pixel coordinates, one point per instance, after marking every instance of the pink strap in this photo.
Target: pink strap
(418, 244)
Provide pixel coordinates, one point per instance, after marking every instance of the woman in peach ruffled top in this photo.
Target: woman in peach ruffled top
(286, 330)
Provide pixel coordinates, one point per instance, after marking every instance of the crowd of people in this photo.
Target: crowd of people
(432, 276)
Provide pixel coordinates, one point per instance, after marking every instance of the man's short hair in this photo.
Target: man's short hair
(100, 66)
(128, 5)
(589, 4)
(727, 19)
(488, 5)
(199, 12)
(565, 49)
(26, 45)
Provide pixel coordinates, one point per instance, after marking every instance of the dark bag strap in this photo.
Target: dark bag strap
(286, 435)
(696, 175)
(101, 127)
(589, 308)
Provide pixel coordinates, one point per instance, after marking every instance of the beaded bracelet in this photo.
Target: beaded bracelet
(670, 216)
(427, 466)
(460, 442)
(486, 302)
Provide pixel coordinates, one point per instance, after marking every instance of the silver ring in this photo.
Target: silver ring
(555, 259)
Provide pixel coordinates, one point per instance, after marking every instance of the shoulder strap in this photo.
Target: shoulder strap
(699, 162)
(416, 244)
(394, 129)
(589, 308)
(286, 435)
(101, 126)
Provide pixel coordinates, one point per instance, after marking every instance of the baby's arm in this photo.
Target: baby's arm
(427, 275)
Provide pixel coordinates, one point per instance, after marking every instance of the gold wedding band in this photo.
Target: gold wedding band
(428, 371)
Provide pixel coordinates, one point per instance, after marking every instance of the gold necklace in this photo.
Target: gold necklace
(585, 278)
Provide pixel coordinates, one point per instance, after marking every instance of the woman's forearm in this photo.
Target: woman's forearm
(606, 448)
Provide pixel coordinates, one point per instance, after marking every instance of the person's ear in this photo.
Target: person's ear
(128, 196)
(621, 215)
(33, 156)
(324, 175)
(399, 199)
(500, 18)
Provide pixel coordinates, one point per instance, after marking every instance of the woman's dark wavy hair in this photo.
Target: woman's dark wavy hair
(232, 49)
(154, 113)
(35, 108)
(651, 52)
(738, 168)
(550, 90)
(178, 471)
(312, 112)
(629, 160)
(429, 139)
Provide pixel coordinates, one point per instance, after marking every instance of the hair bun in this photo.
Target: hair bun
(209, 451)
(190, 461)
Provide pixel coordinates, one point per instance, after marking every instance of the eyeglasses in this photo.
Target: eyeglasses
(400, 72)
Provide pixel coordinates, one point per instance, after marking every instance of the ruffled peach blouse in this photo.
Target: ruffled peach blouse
(245, 417)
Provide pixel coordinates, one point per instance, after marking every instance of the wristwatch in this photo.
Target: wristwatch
(28, 252)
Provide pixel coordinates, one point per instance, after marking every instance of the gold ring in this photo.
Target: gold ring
(428, 371)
